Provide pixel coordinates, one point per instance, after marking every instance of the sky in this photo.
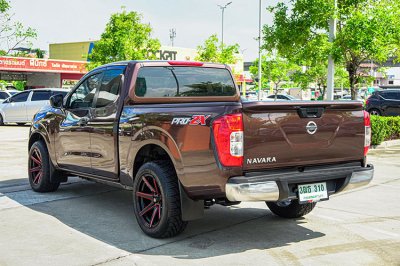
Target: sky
(58, 21)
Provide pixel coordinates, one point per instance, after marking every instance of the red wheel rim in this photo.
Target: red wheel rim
(35, 166)
(149, 200)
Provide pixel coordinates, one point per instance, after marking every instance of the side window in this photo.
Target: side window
(110, 86)
(20, 97)
(83, 96)
(3, 95)
(389, 95)
(41, 96)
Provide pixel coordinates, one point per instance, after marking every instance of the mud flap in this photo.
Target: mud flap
(56, 175)
(191, 209)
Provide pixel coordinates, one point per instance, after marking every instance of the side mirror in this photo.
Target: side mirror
(56, 101)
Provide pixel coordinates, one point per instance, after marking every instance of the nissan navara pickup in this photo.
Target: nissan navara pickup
(179, 136)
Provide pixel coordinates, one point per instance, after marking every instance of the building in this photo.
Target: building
(41, 73)
(81, 50)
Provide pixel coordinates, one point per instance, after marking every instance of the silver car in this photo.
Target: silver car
(21, 107)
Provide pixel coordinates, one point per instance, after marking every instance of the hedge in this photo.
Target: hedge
(384, 128)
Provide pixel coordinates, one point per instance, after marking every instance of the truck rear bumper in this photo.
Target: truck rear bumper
(280, 185)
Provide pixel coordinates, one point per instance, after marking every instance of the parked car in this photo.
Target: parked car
(6, 94)
(384, 102)
(179, 136)
(283, 97)
(348, 98)
(21, 107)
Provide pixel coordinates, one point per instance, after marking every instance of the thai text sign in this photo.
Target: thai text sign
(41, 65)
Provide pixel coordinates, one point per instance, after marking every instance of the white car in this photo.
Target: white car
(21, 107)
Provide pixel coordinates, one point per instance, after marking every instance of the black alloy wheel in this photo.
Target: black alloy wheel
(156, 200)
(149, 200)
(39, 170)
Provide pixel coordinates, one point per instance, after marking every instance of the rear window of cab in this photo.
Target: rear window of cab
(158, 82)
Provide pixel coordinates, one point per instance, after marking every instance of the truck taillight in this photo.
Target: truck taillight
(367, 139)
(228, 136)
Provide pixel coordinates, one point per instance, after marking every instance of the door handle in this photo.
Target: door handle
(83, 121)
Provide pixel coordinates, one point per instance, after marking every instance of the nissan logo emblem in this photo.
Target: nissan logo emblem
(311, 127)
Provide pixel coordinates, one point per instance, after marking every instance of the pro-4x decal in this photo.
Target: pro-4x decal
(193, 121)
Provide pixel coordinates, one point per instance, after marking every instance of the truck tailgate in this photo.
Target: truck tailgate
(300, 133)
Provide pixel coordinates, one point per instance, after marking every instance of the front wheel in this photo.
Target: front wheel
(39, 170)
(290, 208)
(1, 121)
(156, 200)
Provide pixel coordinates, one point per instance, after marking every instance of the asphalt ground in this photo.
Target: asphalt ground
(85, 223)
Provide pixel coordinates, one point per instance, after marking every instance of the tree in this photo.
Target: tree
(124, 38)
(211, 51)
(366, 29)
(12, 33)
(274, 69)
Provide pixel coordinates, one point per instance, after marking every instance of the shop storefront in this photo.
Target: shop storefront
(41, 73)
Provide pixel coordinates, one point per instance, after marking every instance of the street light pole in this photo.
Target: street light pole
(222, 34)
(331, 63)
(259, 52)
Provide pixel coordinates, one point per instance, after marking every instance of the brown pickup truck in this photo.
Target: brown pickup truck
(179, 136)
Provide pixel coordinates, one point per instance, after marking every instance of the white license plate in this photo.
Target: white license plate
(312, 192)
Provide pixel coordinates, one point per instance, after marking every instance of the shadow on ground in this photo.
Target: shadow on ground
(106, 214)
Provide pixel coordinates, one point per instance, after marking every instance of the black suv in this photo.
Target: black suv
(384, 102)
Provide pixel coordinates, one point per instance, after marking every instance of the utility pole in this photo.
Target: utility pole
(172, 35)
(259, 52)
(222, 34)
(331, 63)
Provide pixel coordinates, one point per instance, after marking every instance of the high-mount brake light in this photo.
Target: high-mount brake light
(367, 126)
(185, 63)
(228, 136)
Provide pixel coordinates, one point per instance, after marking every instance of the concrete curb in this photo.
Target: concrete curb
(387, 144)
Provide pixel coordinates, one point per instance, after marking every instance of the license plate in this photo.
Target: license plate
(312, 192)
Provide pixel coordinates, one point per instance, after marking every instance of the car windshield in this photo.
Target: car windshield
(13, 92)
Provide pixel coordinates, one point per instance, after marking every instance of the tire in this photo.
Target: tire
(374, 112)
(1, 121)
(40, 171)
(156, 200)
(292, 209)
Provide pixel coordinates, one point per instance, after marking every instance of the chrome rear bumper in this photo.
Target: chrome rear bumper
(276, 188)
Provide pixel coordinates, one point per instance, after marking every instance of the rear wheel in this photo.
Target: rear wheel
(40, 170)
(290, 208)
(374, 112)
(156, 200)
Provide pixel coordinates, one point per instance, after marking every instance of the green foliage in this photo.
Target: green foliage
(19, 85)
(366, 29)
(124, 38)
(384, 128)
(12, 33)
(274, 69)
(211, 52)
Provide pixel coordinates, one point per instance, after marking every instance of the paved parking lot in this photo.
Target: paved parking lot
(84, 223)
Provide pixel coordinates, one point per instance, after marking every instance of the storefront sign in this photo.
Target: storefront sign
(41, 65)
(165, 54)
(69, 82)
